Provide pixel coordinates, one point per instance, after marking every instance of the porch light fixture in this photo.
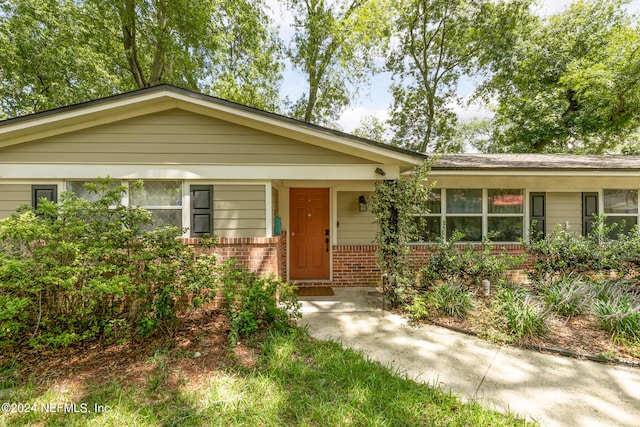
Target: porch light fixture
(380, 172)
(362, 203)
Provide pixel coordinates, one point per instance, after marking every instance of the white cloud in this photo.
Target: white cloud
(351, 117)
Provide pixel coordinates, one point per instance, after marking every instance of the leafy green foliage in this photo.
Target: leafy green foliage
(371, 127)
(569, 82)
(419, 306)
(439, 41)
(618, 307)
(55, 53)
(525, 316)
(253, 302)
(564, 251)
(567, 296)
(467, 264)
(453, 298)
(87, 269)
(334, 46)
(393, 203)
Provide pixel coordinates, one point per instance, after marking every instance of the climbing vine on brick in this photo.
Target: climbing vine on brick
(394, 204)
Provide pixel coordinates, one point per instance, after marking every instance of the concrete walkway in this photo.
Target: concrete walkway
(553, 390)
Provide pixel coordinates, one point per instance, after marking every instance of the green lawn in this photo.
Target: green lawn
(295, 381)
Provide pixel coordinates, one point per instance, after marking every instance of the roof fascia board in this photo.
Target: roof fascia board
(540, 172)
(193, 171)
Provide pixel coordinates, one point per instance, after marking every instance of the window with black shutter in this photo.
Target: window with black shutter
(39, 192)
(589, 209)
(538, 214)
(201, 210)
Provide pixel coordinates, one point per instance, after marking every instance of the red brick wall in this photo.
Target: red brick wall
(353, 265)
(356, 265)
(263, 255)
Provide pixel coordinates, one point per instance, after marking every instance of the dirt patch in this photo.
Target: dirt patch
(195, 349)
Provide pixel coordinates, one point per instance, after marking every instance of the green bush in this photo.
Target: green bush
(85, 269)
(419, 307)
(453, 299)
(565, 252)
(466, 264)
(617, 306)
(525, 317)
(567, 296)
(253, 302)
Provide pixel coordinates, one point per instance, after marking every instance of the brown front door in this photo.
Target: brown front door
(310, 240)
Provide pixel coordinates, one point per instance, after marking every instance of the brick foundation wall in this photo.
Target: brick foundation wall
(264, 255)
(355, 265)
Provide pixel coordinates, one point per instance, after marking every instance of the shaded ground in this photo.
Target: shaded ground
(198, 347)
(553, 390)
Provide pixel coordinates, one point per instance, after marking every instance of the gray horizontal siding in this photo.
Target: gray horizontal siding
(239, 210)
(172, 137)
(12, 196)
(356, 228)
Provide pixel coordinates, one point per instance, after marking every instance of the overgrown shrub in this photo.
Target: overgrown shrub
(565, 252)
(453, 299)
(567, 296)
(617, 306)
(86, 269)
(525, 317)
(467, 264)
(419, 307)
(252, 302)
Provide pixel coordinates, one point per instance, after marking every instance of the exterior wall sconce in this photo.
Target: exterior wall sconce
(362, 203)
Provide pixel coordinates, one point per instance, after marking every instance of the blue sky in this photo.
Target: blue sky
(375, 99)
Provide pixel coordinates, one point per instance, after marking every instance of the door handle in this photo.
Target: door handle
(327, 242)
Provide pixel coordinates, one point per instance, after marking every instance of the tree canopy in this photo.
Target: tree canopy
(58, 52)
(439, 41)
(572, 83)
(334, 46)
(568, 82)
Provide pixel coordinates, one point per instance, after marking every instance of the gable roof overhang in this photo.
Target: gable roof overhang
(165, 97)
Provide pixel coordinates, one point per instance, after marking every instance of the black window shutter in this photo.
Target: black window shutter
(538, 213)
(201, 210)
(38, 192)
(589, 209)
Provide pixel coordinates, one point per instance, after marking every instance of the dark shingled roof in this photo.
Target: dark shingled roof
(536, 161)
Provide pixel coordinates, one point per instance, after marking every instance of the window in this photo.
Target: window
(475, 213)
(79, 189)
(621, 207)
(162, 198)
(505, 214)
(429, 224)
(464, 213)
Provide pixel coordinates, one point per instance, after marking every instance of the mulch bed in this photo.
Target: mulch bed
(198, 347)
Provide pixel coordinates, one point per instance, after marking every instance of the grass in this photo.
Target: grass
(295, 381)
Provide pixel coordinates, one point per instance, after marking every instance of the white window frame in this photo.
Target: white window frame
(636, 214)
(484, 214)
(126, 197)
